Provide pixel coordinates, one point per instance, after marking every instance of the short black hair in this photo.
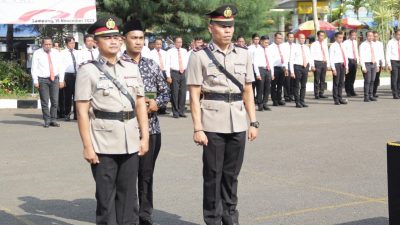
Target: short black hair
(47, 38)
(177, 38)
(338, 33)
(352, 32)
(264, 37)
(374, 31)
(277, 33)
(69, 39)
(198, 39)
(88, 36)
(370, 31)
(255, 35)
(158, 39)
(289, 33)
(321, 32)
(238, 37)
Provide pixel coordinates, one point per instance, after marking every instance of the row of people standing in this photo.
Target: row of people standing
(284, 67)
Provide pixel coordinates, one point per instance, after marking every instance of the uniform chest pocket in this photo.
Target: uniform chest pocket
(103, 85)
(214, 76)
(210, 105)
(103, 125)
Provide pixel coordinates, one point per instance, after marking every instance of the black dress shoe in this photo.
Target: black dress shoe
(396, 97)
(145, 222)
(366, 99)
(337, 103)
(275, 104)
(46, 125)
(343, 102)
(298, 105)
(323, 96)
(67, 118)
(176, 116)
(304, 104)
(354, 94)
(372, 99)
(317, 97)
(287, 100)
(266, 108)
(292, 98)
(376, 96)
(182, 115)
(281, 103)
(260, 108)
(54, 124)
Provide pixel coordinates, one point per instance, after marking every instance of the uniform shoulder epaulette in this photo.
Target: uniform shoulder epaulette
(244, 47)
(198, 49)
(86, 62)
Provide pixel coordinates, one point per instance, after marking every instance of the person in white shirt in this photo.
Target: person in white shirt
(241, 42)
(393, 63)
(288, 85)
(369, 61)
(350, 46)
(263, 67)
(255, 39)
(280, 70)
(382, 63)
(48, 76)
(320, 56)
(177, 59)
(145, 51)
(340, 66)
(89, 52)
(300, 64)
(71, 63)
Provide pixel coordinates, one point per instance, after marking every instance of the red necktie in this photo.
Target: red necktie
(266, 59)
(161, 60)
(181, 70)
(304, 57)
(344, 57)
(50, 66)
(354, 50)
(372, 53)
(280, 53)
(323, 52)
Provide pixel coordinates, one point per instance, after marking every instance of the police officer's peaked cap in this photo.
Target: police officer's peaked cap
(107, 26)
(223, 15)
(131, 26)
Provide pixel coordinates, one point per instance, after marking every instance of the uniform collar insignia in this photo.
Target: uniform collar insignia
(211, 46)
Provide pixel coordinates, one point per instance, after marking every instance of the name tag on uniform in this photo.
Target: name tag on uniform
(129, 77)
(103, 78)
(211, 65)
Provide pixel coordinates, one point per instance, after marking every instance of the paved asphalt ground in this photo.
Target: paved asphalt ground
(325, 165)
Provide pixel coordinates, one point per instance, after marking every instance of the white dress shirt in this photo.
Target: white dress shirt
(145, 52)
(172, 62)
(392, 51)
(287, 50)
(317, 54)
(68, 62)
(252, 49)
(381, 53)
(369, 53)
(40, 65)
(154, 56)
(350, 52)
(336, 55)
(261, 61)
(86, 54)
(279, 56)
(300, 54)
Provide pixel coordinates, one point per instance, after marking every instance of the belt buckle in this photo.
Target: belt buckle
(230, 97)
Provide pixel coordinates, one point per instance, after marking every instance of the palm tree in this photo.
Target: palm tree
(357, 4)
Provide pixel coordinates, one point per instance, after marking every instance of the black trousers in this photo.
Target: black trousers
(394, 77)
(61, 103)
(222, 161)
(69, 93)
(351, 77)
(116, 196)
(377, 81)
(301, 74)
(178, 89)
(145, 177)
(277, 83)
(369, 79)
(319, 77)
(288, 86)
(163, 109)
(263, 86)
(338, 81)
(48, 90)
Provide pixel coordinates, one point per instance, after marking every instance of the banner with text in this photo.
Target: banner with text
(47, 11)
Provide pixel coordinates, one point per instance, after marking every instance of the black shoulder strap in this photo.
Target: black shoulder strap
(116, 83)
(223, 70)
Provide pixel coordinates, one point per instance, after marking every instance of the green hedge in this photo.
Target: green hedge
(14, 80)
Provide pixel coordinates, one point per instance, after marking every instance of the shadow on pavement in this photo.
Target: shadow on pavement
(22, 122)
(371, 221)
(44, 212)
(29, 115)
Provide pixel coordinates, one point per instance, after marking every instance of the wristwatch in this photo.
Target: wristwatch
(255, 124)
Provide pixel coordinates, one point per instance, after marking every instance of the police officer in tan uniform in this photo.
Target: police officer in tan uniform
(109, 125)
(219, 118)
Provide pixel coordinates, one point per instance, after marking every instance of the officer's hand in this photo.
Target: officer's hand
(312, 68)
(389, 68)
(292, 75)
(200, 138)
(90, 156)
(364, 71)
(347, 71)
(272, 77)
(144, 146)
(252, 134)
(334, 72)
(36, 85)
(62, 85)
(286, 73)
(329, 68)
(169, 80)
(258, 77)
(152, 107)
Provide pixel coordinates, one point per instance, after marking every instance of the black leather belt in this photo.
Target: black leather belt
(121, 116)
(226, 97)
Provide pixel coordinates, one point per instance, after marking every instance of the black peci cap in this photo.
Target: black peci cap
(223, 15)
(108, 26)
(131, 26)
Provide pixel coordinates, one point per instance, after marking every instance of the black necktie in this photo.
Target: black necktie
(73, 60)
